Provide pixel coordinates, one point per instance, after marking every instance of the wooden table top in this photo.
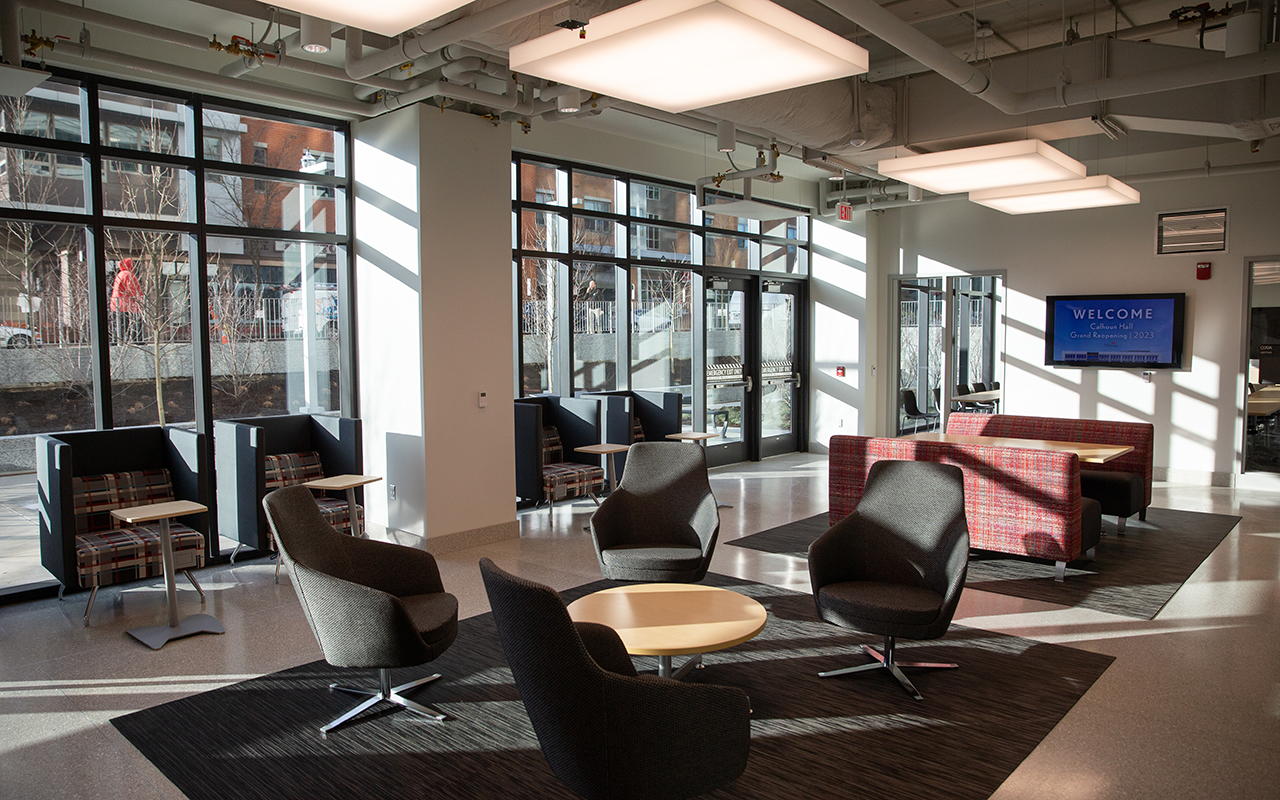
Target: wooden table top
(692, 436)
(602, 449)
(1262, 408)
(977, 397)
(672, 619)
(336, 482)
(155, 511)
(1087, 451)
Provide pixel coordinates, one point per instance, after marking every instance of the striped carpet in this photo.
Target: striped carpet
(849, 737)
(1132, 575)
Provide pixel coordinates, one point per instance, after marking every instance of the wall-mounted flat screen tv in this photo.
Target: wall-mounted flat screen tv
(1122, 331)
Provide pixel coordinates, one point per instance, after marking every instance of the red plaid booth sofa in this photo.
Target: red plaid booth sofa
(547, 429)
(84, 476)
(1122, 486)
(257, 455)
(1018, 501)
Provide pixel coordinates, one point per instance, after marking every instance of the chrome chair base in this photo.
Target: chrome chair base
(386, 694)
(887, 661)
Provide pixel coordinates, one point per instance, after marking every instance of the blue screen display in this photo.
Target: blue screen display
(1119, 331)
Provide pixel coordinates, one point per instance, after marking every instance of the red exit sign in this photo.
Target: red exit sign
(846, 212)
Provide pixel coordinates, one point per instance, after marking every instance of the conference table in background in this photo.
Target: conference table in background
(989, 396)
(1087, 451)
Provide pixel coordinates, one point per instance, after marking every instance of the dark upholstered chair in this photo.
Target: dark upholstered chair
(896, 565)
(83, 476)
(606, 731)
(257, 455)
(1119, 493)
(661, 523)
(911, 410)
(371, 604)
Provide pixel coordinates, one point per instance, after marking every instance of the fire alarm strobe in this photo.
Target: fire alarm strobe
(1202, 270)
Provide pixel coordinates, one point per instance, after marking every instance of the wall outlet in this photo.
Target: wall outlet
(840, 424)
(391, 490)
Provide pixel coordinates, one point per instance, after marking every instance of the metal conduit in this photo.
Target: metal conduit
(934, 56)
(358, 66)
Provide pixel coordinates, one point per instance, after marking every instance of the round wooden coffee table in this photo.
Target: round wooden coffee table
(672, 619)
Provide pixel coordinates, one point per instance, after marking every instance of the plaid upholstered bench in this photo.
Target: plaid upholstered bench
(563, 479)
(107, 553)
(290, 469)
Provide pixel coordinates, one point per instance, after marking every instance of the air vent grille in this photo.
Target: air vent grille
(1192, 232)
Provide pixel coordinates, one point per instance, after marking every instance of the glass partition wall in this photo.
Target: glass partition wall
(167, 258)
(950, 334)
(621, 282)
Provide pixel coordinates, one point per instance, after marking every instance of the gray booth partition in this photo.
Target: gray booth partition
(658, 414)
(241, 447)
(577, 419)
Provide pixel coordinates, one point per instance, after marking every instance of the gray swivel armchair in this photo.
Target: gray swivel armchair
(661, 523)
(605, 731)
(371, 604)
(896, 565)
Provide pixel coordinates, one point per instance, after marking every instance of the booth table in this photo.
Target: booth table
(607, 450)
(350, 483)
(156, 636)
(1088, 452)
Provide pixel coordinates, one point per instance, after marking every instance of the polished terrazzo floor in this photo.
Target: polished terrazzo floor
(1190, 708)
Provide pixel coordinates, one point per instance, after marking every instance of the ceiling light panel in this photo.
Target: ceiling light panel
(677, 55)
(1094, 192)
(986, 167)
(388, 19)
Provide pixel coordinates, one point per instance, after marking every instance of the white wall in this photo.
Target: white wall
(433, 263)
(1196, 411)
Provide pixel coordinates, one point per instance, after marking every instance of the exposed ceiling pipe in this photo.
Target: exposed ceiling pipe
(10, 33)
(81, 55)
(422, 66)
(700, 125)
(91, 17)
(934, 56)
(509, 101)
(358, 66)
(1207, 171)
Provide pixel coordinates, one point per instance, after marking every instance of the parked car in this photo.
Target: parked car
(15, 338)
(326, 311)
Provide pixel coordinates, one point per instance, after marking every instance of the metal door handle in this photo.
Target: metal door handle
(749, 384)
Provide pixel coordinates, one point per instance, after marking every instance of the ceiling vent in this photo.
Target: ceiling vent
(1192, 232)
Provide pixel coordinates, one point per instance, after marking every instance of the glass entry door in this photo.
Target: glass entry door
(779, 368)
(729, 385)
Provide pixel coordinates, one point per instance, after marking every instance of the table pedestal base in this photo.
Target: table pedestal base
(157, 636)
(664, 667)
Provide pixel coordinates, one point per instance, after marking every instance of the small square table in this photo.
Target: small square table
(156, 636)
(607, 450)
(697, 437)
(350, 483)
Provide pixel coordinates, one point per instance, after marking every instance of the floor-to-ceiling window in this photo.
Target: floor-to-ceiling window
(615, 280)
(166, 258)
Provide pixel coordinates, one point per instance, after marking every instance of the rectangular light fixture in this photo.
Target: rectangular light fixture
(677, 55)
(989, 166)
(17, 81)
(1092, 192)
(388, 19)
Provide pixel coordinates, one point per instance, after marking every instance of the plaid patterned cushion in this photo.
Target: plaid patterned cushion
(94, 497)
(288, 469)
(1138, 435)
(552, 450)
(576, 479)
(127, 554)
(637, 431)
(1025, 502)
(334, 512)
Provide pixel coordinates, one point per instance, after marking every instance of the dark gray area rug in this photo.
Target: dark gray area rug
(1133, 575)
(842, 737)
